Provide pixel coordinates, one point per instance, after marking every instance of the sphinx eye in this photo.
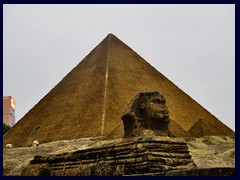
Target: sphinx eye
(157, 101)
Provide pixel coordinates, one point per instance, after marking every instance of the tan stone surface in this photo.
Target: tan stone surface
(16, 159)
(129, 156)
(212, 151)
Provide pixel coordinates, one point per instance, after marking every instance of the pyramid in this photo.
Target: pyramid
(197, 130)
(91, 98)
(202, 128)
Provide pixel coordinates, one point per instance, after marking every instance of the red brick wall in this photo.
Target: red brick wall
(7, 110)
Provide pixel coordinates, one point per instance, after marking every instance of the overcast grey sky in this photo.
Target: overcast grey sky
(192, 45)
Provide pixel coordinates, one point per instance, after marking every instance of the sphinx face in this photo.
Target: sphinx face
(156, 109)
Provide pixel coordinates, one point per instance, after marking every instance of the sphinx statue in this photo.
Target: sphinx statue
(146, 115)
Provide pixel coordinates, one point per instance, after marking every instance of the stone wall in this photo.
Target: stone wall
(129, 156)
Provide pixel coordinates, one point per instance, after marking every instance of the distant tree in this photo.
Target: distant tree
(5, 128)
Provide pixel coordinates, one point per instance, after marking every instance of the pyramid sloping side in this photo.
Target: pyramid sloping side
(130, 74)
(72, 109)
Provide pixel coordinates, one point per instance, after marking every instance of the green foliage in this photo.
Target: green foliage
(5, 128)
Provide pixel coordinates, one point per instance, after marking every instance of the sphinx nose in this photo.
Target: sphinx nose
(164, 108)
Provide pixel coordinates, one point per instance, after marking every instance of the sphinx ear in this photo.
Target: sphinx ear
(141, 106)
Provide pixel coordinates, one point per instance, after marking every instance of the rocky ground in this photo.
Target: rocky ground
(210, 151)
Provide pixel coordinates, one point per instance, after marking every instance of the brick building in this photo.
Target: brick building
(9, 106)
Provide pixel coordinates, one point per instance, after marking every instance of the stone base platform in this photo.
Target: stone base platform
(126, 157)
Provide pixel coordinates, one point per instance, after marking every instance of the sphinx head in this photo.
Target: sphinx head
(147, 112)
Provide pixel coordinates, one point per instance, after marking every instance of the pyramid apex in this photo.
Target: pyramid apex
(110, 34)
